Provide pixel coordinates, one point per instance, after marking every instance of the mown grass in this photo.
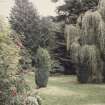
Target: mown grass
(65, 90)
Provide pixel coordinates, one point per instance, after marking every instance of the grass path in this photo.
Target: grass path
(65, 90)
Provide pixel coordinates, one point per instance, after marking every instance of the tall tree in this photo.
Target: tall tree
(73, 8)
(69, 12)
(24, 20)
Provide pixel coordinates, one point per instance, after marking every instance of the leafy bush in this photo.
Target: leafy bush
(13, 88)
(4, 91)
(26, 100)
(19, 83)
(33, 100)
(43, 67)
(9, 55)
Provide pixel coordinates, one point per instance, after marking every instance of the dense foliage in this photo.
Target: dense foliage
(13, 87)
(88, 50)
(71, 12)
(9, 56)
(43, 67)
(58, 47)
(24, 20)
(73, 8)
(31, 28)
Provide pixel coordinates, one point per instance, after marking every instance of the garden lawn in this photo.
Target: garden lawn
(65, 90)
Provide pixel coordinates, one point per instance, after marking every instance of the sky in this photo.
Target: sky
(44, 7)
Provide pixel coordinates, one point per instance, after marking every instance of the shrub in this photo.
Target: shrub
(33, 100)
(43, 67)
(20, 84)
(4, 91)
(9, 55)
(26, 100)
(13, 89)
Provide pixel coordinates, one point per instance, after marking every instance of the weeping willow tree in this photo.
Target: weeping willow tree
(90, 24)
(90, 64)
(88, 51)
(101, 8)
(101, 28)
(101, 34)
(74, 53)
(101, 38)
(71, 34)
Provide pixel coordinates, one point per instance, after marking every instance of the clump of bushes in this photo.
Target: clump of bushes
(4, 91)
(26, 100)
(9, 56)
(13, 87)
(43, 67)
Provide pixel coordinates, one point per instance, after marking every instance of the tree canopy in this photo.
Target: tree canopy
(24, 20)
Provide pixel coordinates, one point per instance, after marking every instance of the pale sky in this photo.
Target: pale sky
(45, 7)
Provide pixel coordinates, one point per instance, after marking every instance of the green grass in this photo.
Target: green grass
(65, 90)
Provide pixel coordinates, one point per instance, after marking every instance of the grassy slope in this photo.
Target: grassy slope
(64, 90)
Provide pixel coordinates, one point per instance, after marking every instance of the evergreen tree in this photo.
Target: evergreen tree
(43, 67)
(58, 46)
(24, 20)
